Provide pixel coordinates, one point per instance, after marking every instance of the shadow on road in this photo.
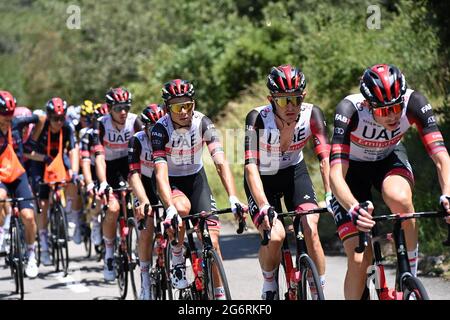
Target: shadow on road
(241, 246)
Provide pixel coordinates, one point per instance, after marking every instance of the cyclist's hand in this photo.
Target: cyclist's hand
(139, 211)
(445, 203)
(263, 218)
(75, 179)
(233, 201)
(90, 188)
(362, 218)
(171, 213)
(328, 198)
(103, 186)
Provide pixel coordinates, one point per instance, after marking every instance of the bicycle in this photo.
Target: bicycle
(293, 281)
(15, 254)
(121, 252)
(88, 203)
(407, 286)
(202, 280)
(59, 235)
(157, 271)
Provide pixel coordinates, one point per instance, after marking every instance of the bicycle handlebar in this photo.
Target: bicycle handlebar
(271, 214)
(363, 238)
(143, 222)
(403, 216)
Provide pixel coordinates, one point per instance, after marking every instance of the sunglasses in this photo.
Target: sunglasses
(384, 111)
(283, 102)
(178, 107)
(119, 108)
(58, 118)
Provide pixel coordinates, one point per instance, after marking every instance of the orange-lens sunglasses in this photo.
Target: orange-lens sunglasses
(178, 107)
(384, 111)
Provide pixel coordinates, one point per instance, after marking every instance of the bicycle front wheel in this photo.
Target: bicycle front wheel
(16, 260)
(413, 289)
(305, 289)
(159, 276)
(62, 239)
(133, 251)
(216, 276)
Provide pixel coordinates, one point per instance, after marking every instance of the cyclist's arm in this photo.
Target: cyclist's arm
(346, 118)
(134, 163)
(321, 145)
(31, 147)
(73, 149)
(421, 114)
(100, 163)
(86, 157)
(253, 123)
(159, 139)
(211, 138)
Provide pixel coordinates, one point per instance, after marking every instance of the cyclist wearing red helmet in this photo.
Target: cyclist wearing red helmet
(115, 129)
(13, 177)
(48, 140)
(274, 166)
(177, 141)
(141, 179)
(367, 151)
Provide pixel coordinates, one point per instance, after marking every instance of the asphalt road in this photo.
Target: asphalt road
(85, 279)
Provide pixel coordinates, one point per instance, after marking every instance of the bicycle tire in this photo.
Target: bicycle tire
(412, 286)
(86, 232)
(209, 283)
(17, 260)
(158, 275)
(63, 239)
(280, 278)
(308, 267)
(133, 251)
(121, 259)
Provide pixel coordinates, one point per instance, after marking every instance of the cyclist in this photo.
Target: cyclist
(111, 162)
(274, 166)
(48, 142)
(141, 180)
(88, 113)
(13, 177)
(177, 142)
(366, 151)
(88, 168)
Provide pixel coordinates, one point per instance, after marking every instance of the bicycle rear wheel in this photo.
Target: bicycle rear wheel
(308, 270)
(62, 239)
(413, 289)
(86, 233)
(16, 260)
(215, 263)
(133, 265)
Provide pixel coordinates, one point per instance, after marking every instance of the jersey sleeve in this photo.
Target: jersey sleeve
(134, 155)
(159, 139)
(319, 131)
(345, 121)
(211, 137)
(20, 122)
(253, 123)
(70, 143)
(99, 132)
(420, 113)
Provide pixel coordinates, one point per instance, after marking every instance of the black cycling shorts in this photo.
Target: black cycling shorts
(196, 188)
(361, 176)
(293, 183)
(20, 188)
(117, 172)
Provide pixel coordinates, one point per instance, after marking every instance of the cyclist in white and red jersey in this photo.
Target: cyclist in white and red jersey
(111, 162)
(141, 179)
(366, 151)
(177, 142)
(274, 166)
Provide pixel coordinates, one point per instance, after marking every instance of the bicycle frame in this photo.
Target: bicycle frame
(403, 266)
